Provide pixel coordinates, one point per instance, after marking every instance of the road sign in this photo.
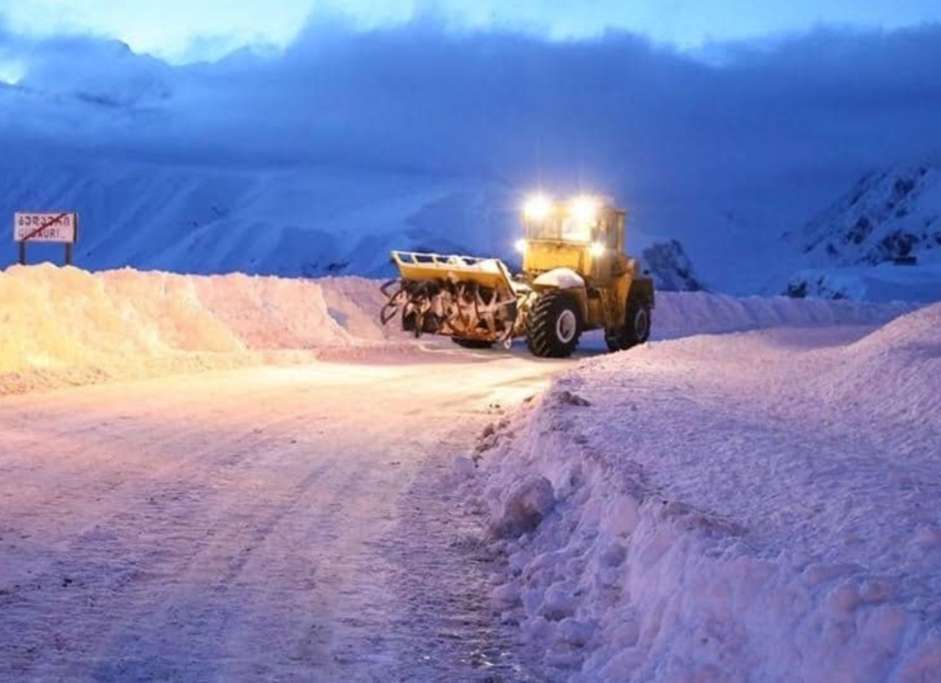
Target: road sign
(45, 227)
(59, 228)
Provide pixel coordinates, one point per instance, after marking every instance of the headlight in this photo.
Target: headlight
(597, 249)
(521, 246)
(585, 209)
(537, 208)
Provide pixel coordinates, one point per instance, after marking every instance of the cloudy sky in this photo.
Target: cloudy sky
(654, 102)
(184, 30)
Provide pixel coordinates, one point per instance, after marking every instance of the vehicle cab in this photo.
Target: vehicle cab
(585, 234)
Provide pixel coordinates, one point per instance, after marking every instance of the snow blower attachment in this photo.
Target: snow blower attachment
(575, 278)
(470, 299)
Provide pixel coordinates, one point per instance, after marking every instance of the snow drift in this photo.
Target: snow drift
(67, 326)
(681, 314)
(893, 372)
(760, 506)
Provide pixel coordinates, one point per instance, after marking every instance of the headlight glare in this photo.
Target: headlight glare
(537, 207)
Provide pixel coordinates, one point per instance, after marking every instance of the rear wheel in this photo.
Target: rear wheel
(472, 343)
(636, 328)
(554, 325)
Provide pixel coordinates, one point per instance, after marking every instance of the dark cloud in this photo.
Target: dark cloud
(616, 111)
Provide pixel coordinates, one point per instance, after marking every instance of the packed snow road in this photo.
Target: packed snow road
(275, 523)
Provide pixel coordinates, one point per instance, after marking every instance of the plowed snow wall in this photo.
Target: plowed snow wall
(64, 325)
(681, 314)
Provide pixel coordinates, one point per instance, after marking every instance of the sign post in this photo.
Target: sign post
(61, 228)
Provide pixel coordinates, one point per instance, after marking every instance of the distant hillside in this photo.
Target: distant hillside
(670, 267)
(880, 241)
(306, 222)
(885, 216)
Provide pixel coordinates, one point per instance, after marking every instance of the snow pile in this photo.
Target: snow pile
(64, 325)
(680, 314)
(730, 508)
(892, 372)
(67, 326)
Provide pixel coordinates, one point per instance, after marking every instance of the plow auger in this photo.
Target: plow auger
(472, 300)
(575, 277)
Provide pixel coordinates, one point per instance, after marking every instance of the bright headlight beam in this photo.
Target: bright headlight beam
(537, 208)
(585, 209)
(597, 249)
(521, 246)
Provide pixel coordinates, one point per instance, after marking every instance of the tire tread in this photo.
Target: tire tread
(540, 327)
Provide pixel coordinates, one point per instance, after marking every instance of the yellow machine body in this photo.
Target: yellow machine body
(563, 240)
(592, 246)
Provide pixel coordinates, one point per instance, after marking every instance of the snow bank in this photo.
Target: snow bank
(884, 282)
(893, 372)
(680, 314)
(67, 326)
(731, 508)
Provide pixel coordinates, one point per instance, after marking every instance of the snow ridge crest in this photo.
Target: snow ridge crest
(886, 216)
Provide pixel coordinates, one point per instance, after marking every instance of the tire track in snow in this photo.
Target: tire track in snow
(252, 524)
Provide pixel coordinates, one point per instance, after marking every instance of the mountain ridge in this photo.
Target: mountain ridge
(887, 215)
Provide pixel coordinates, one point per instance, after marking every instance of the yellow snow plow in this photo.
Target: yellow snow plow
(575, 278)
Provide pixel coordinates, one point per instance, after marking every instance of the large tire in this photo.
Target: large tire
(554, 325)
(472, 343)
(636, 328)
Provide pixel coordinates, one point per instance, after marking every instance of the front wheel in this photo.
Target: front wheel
(636, 328)
(554, 325)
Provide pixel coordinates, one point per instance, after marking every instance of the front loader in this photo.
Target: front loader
(575, 277)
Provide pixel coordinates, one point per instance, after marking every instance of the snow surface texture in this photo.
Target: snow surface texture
(260, 524)
(66, 326)
(757, 506)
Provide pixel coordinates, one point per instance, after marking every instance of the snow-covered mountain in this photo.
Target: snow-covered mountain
(323, 220)
(886, 216)
(292, 222)
(670, 267)
(295, 221)
(879, 241)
